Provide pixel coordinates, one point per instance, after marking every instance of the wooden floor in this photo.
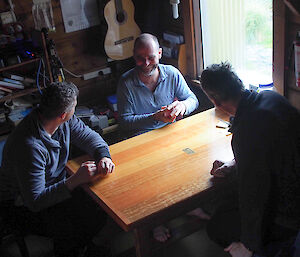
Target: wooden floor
(194, 245)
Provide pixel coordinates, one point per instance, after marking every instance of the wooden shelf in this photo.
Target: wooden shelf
(293, 5)
(110, 129)
(19, 93)
(19, 64)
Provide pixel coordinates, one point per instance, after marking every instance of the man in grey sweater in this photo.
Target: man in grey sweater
(33, 179)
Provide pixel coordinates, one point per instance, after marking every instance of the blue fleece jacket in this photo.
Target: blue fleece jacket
(33, 167)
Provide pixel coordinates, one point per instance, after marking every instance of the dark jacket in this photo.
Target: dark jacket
(266, 146)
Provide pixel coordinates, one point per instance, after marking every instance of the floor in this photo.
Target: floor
(195, 245)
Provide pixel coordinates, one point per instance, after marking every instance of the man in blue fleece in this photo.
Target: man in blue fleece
(33, 179)
(152, 95)
(264, 212)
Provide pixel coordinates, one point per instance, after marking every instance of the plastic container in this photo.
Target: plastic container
(262, 87)
(112, 101)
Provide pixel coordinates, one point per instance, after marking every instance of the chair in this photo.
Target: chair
(296, 248)
(13, 233)
(10, 232)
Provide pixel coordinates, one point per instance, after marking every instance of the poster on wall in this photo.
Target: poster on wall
(79, 14)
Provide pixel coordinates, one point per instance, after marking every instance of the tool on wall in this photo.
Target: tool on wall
(8, 16)
(55, 62)
(43, 15)
(297, 58)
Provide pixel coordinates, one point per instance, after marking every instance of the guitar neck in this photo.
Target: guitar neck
(119, 7)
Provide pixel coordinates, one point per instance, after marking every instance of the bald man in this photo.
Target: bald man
(152, 95)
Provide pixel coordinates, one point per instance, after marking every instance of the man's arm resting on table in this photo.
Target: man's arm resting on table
(89, 172)
(87, 139)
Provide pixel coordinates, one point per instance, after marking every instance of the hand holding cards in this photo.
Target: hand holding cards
(168, 114)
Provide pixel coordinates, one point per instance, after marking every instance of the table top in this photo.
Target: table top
(161, 168)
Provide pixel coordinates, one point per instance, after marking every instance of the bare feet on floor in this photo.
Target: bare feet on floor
(198, 212)
(161, 233)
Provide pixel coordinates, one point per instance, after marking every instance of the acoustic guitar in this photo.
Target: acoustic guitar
(122, 29)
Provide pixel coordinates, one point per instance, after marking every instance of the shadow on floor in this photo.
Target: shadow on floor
(195, 245)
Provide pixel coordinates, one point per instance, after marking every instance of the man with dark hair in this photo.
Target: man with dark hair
(265, 214)
(152, 95)
(33, 181)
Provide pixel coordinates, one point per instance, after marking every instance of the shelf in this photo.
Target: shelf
(293, 5)
(20, 93)
(19, 64)
(110, 129)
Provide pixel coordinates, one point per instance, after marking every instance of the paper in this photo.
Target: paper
(79, 14)
(223, 124)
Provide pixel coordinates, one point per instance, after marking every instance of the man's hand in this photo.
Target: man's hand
(85, 174)
(164, 115)
(168, 114)
(105, 166)
(237, 249)
(221, 169)
(177, 108)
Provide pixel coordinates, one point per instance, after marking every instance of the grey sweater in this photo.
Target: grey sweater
(33, 166)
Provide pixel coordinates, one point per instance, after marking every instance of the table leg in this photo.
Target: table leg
(142, 242)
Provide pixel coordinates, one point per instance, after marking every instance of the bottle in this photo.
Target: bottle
(262, 87)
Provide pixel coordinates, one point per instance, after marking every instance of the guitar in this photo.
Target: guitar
(122, 29)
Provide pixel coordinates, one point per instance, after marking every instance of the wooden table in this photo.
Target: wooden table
(161, 174)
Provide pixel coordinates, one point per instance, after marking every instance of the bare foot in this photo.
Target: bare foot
(161, 233)
(198, 212)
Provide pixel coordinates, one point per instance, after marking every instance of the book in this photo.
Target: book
(12, 81)
(19, 78)
(11, 85)
(5, 89)
(15, 77)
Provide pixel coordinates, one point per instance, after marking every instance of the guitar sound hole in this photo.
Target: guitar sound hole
(120, 17)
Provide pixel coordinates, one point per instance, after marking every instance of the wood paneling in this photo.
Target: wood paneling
(278, 45)
(80, 52)
(291, 23)
(190, 38)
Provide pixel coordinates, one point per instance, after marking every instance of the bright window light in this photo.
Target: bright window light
(240, 32)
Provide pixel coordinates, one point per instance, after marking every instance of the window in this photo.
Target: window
(240, 32)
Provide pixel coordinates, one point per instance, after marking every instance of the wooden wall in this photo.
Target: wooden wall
(83, 51)
(80, 51)
(292, 25)
(286, 25)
